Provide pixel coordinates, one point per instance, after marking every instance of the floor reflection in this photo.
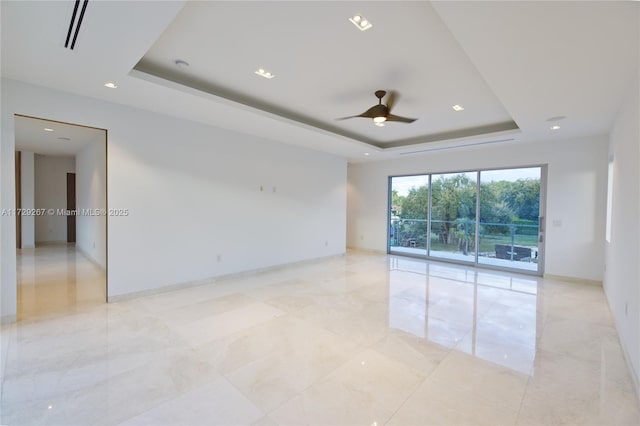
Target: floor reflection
(492, 316)
(57, 278)
(360, 339)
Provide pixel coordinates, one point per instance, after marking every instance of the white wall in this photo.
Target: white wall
(91, 194)
(193, 193)
(622, 276)
(576, 196)
(7, 228)
(51, 193)
(27, 198)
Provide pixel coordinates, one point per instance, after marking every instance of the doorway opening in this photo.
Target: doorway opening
(61, 217)
(489, 218)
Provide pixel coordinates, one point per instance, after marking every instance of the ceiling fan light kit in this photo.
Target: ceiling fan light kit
(382, 113)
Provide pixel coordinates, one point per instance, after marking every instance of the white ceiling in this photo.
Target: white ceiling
(63, 139)
(326, 68)
(503, 61)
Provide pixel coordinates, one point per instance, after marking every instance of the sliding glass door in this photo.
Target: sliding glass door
(509, 218)
(453, 216)
(409, 201)
(482, 217)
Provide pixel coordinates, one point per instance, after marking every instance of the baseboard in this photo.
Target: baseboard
(634, 375)
(154, 291)
(278, 267)
(52, 243)
(214, 279)
(573, 279)
(8, 319)
(90, 258)
(632, 371)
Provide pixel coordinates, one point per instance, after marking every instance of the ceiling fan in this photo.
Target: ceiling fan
(381, 113)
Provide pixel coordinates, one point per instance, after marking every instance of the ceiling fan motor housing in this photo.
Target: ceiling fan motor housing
(379, 110)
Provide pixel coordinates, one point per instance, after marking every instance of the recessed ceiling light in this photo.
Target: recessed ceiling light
(181, 64)
(111, 85)
(46, 129)
(458, 107)
(361, 22)
(556, 127)
(366, 154)
(263, 73)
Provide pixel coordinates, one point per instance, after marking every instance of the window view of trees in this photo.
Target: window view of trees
(409, 214)
(453, 213)
(509, 227)
(509, 209)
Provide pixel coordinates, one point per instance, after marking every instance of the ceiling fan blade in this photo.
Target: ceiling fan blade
(392, 99)
(372, 112)
(364, 115)
(392, 117)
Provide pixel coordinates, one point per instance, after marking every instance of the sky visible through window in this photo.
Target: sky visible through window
(403, 184)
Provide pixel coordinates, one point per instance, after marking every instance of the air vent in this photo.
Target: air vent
(74, 25)
(456, 146)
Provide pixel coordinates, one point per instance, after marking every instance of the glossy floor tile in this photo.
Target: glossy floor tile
(361, 339)
(56, 279)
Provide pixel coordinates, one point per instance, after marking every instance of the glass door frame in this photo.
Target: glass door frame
(541, 220)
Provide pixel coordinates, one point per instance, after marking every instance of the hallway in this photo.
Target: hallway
(57, 278)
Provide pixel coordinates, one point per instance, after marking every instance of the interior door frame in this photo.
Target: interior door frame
(106, 188)
(18, 181)
(71, 207)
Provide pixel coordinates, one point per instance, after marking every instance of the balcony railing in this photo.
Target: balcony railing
(506, 241)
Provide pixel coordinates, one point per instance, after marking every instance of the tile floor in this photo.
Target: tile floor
(363, 339)
(56, 279)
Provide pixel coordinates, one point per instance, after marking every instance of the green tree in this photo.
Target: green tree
(508, 202)
(396, 201)
(493, 208)
(454, 208)
(453, 203)
(413, 211)
(415, 204)
(523, 197)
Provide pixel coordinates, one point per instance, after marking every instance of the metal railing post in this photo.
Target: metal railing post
(513, 238)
